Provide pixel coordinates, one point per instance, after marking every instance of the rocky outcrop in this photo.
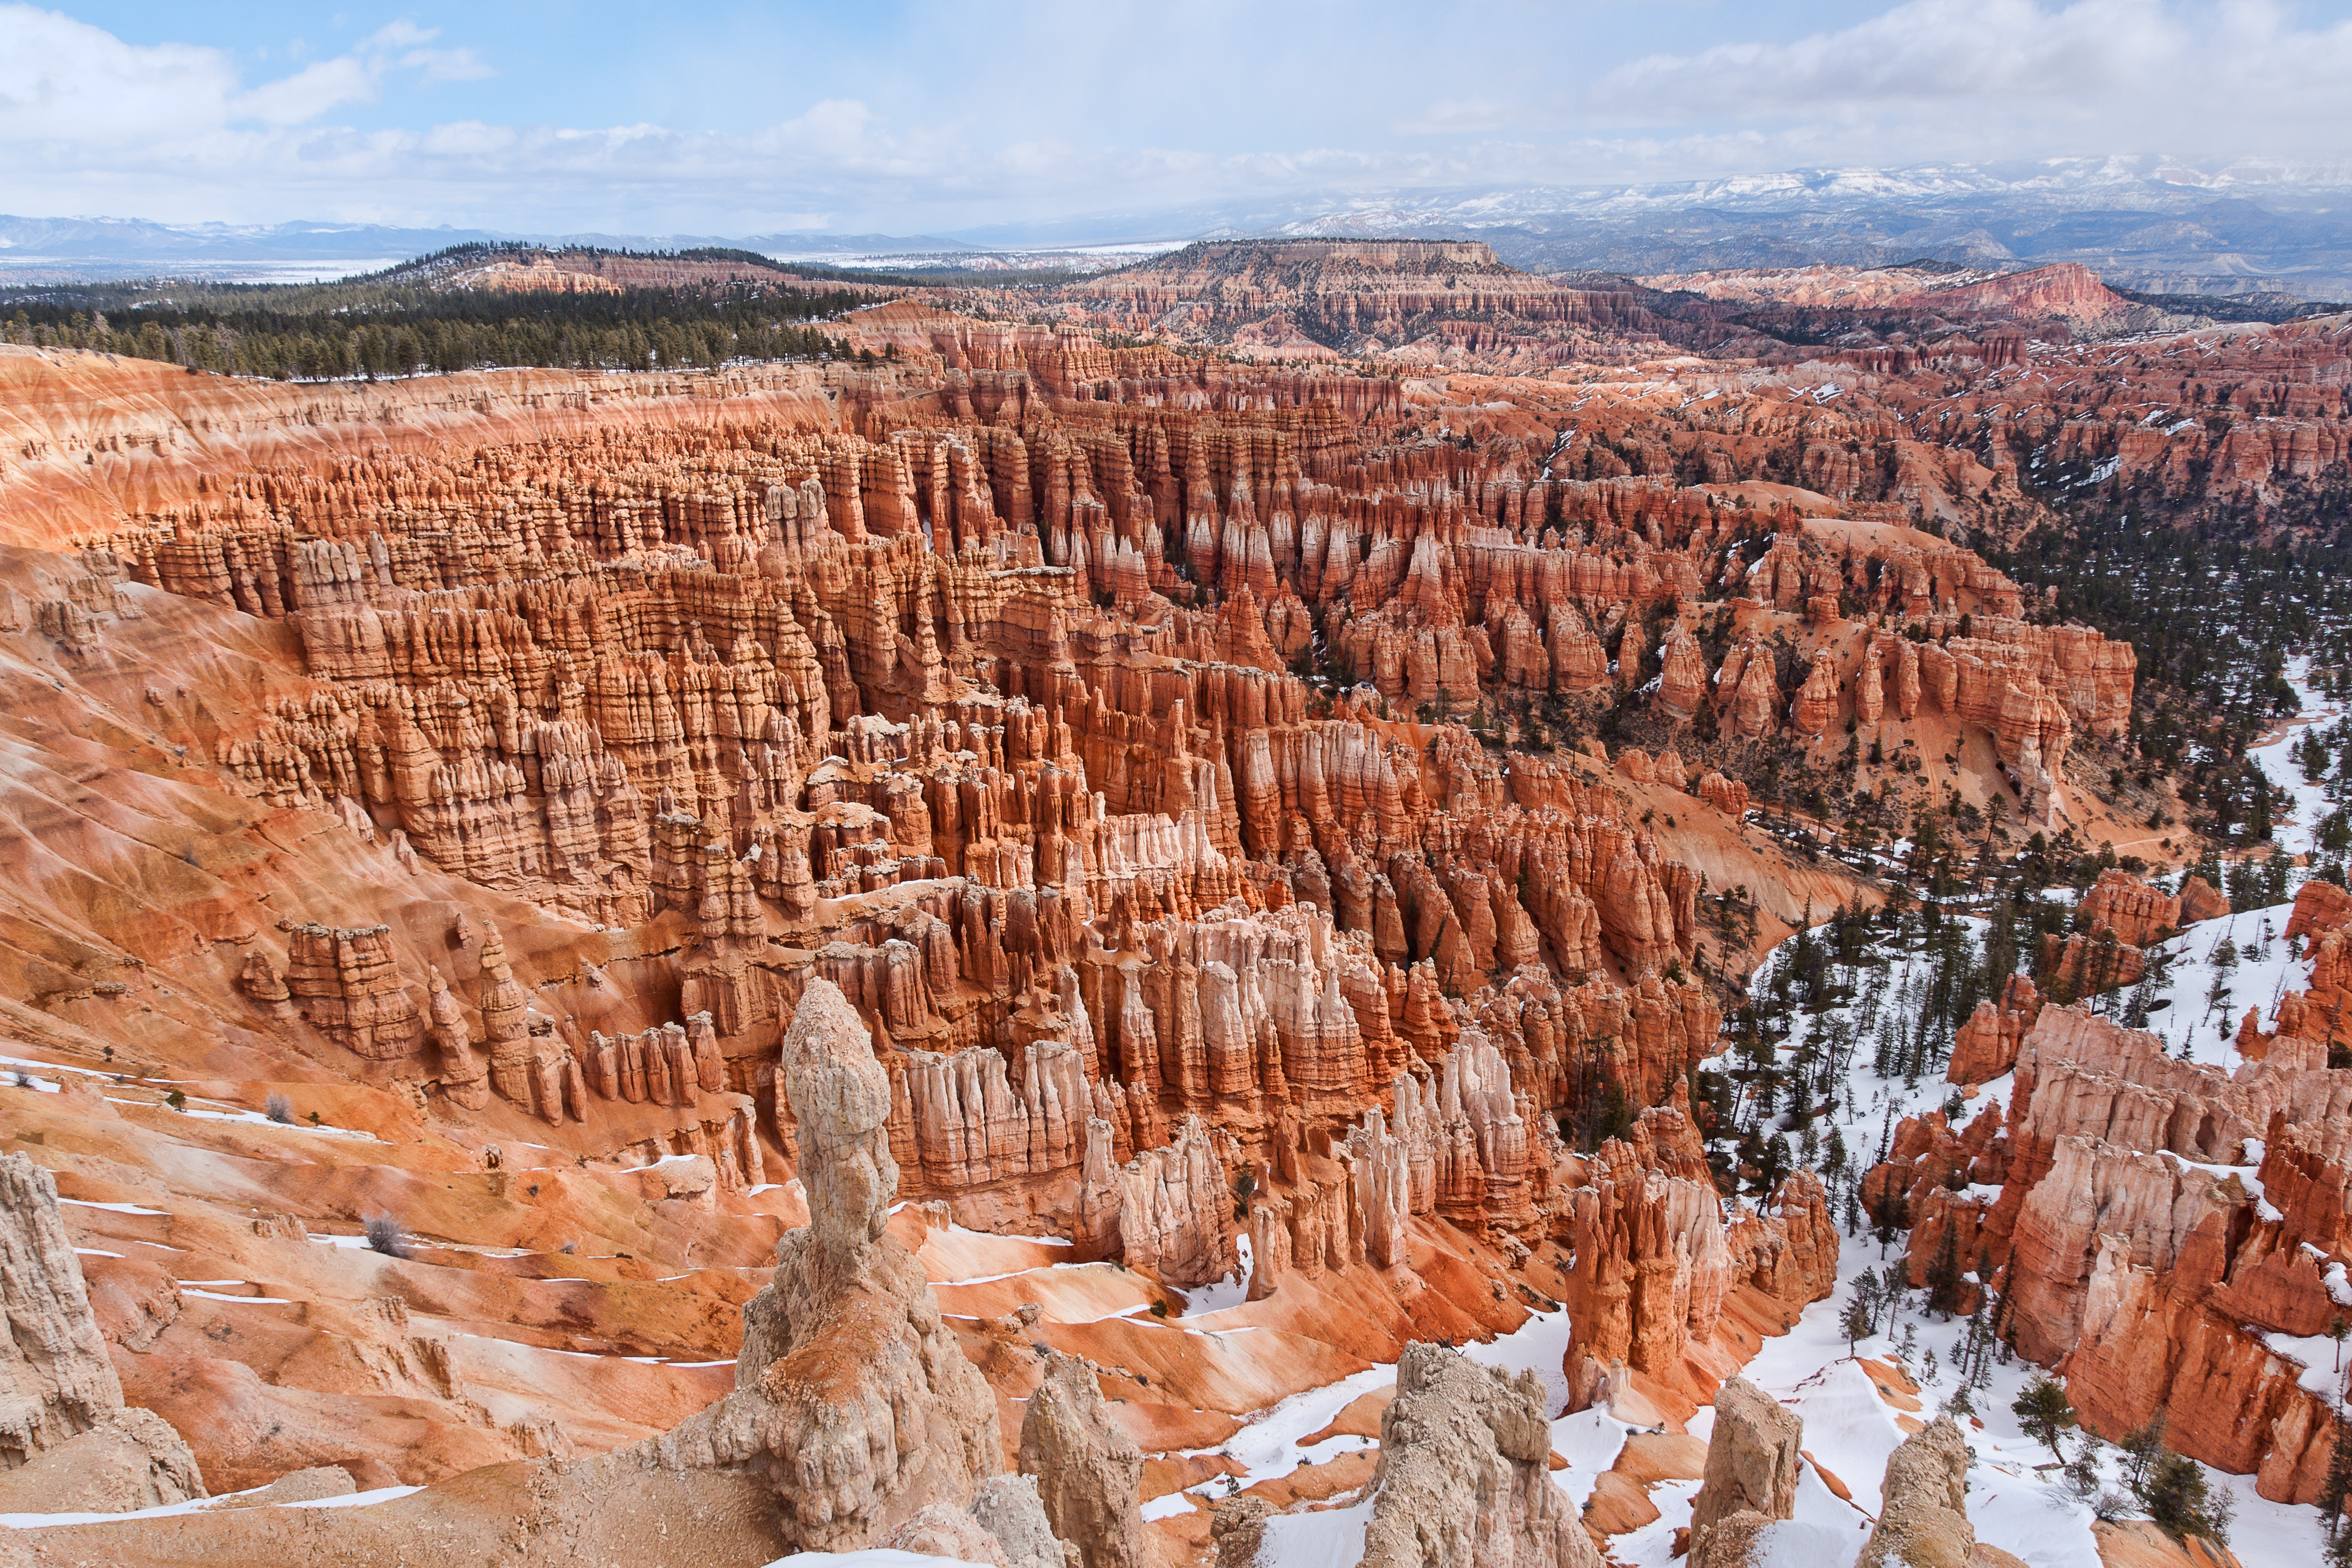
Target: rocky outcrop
(1004, 1528)
(1682, 684)
(2201, 901)
(1173, 1208)
(2128, 1252)
(1922, 1516)
(1736, 1540)
(347, 983)
(852, 1399)
(527, 1064)
(1817, 700)
(1655, 1260)
(1010, 1509)
(2090, 961)
(1753, 1455)
(465, 1076)
(66, 1441)
(2136, 913)
(941, 1530)
(1986, 1045)
(1238, 1528)
(1085, 1471)
(1464, 1476)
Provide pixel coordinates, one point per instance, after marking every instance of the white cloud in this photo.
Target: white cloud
(1452, 116)
(2014, 74)
(69, 84)
(1015, 117)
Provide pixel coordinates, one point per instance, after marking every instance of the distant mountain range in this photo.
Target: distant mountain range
(2158, 229)
(42, 249)
(2141, 224)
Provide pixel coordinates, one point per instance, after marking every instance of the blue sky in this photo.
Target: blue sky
(919, 117)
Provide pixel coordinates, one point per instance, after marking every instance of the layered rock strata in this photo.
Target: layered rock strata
(2135, 1238)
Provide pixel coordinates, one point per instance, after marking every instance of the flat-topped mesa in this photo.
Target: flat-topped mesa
(1369, 255)
(852, 1397)
(68, 1443)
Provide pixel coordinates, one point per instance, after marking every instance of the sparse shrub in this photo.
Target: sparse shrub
(176, 1101)
(280, 1109)
(385, 1235)
(1159, 1309)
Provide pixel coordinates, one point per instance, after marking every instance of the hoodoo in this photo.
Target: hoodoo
(1529, 882)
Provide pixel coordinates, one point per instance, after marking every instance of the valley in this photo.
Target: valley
(1017, 916)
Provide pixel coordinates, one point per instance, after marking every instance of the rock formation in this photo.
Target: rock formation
(1010, 1510)
(347, 983)
(1084, 1469)
(1654, 1259)
(2128, 1253)
(67, 1440)
(464, 1077)
(1922, 1516)
(1184, 770)
(850, 1397)
(1004, 1528)
(1752, 1460)
(1464, 1475)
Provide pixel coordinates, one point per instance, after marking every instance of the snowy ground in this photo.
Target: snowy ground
(2016, 1502)
(1269, 1447)
(2219, 968)
(202, 1505)
(2018, 1499)
(2296, 836)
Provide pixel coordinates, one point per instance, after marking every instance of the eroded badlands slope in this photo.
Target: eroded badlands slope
(1194, 776)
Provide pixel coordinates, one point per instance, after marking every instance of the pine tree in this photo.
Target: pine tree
(2044, 1411)
(1856, 1323)
(2339, 1485)
(1946, 1288)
